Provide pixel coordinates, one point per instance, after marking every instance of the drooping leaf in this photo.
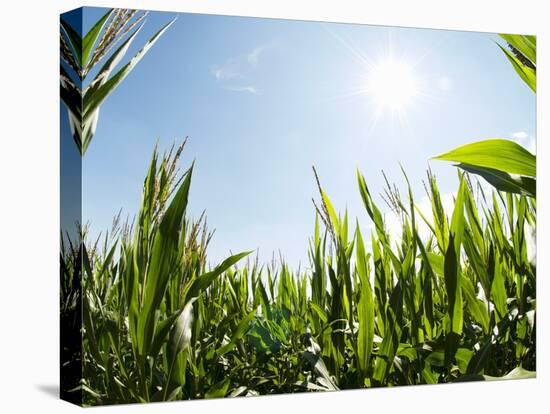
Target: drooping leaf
(503, 181)
(203, 281)
(499, 154)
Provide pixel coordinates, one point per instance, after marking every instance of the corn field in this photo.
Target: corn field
(369, 311)
(146, 316)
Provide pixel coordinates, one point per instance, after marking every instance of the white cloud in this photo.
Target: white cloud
(520, 136)
(525, 140)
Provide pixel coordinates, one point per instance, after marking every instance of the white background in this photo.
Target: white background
(29, 206)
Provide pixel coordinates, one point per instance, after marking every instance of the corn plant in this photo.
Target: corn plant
(139, 291)
(81, 55)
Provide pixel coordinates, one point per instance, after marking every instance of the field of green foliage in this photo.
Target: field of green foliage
(369, 310)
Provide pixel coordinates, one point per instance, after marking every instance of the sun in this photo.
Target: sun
(391, 85)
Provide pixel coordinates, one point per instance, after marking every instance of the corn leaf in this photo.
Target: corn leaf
(203, 281)
(499, 154)
(218, 390)
(105, 71)
(526, 45)
(516, 373)
(365, 309)
(91, 37)
(94, 100)
(502, 181)
(162, 264)
(74, 41)
(526, 73)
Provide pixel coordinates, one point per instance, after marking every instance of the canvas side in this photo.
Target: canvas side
(70, 210)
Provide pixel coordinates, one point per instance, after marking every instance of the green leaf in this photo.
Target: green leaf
(372, 209)
(320, 368)
(91, 37)
(463, 357)
(392, 335)
(115, 58)
(452, 272)
(476, 307)
(503, 181)
(74, 41)
(204, 280)
(499, 154)
(516, 373)
(218, 390)
(481, 358)
(181, 335)
(365, 308)
(331, 212)
(163, 262)
(526, 73)
(238, 391)
(72, 99)
(436, 262)
(454, 295)
(320, 312)
(238, 333)
(161, 332)
(180, 340)
(453, 289)
(526, 45)
(498, 289)
(93, 101)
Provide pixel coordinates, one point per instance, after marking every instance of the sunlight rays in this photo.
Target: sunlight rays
(392, 85)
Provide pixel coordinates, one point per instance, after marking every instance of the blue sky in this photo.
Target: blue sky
(262, 100)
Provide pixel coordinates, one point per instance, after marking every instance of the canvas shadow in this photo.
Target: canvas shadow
(51, 390)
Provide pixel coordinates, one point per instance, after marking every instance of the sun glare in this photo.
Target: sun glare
(391, 85)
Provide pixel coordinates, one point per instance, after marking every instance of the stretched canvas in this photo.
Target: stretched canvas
(256, 206)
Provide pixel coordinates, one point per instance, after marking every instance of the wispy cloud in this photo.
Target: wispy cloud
(236, 72)
(250, 89)
(231, 69)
